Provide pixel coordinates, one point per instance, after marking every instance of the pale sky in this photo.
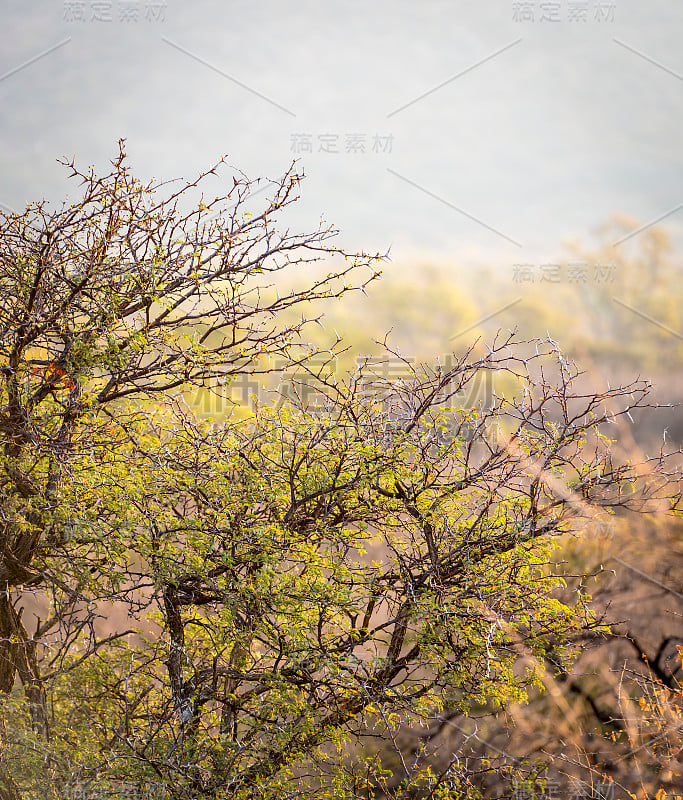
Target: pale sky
(466, 131)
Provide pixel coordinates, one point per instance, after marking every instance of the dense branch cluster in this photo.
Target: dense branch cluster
(218, 610)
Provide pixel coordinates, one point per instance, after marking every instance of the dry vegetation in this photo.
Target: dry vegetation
(360, 571)
(612, 726)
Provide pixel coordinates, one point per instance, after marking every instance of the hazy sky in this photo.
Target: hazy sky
(537, 120)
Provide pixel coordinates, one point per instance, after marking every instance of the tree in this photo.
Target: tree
(284, 584)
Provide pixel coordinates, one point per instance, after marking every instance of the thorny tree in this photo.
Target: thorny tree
(284, 584)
